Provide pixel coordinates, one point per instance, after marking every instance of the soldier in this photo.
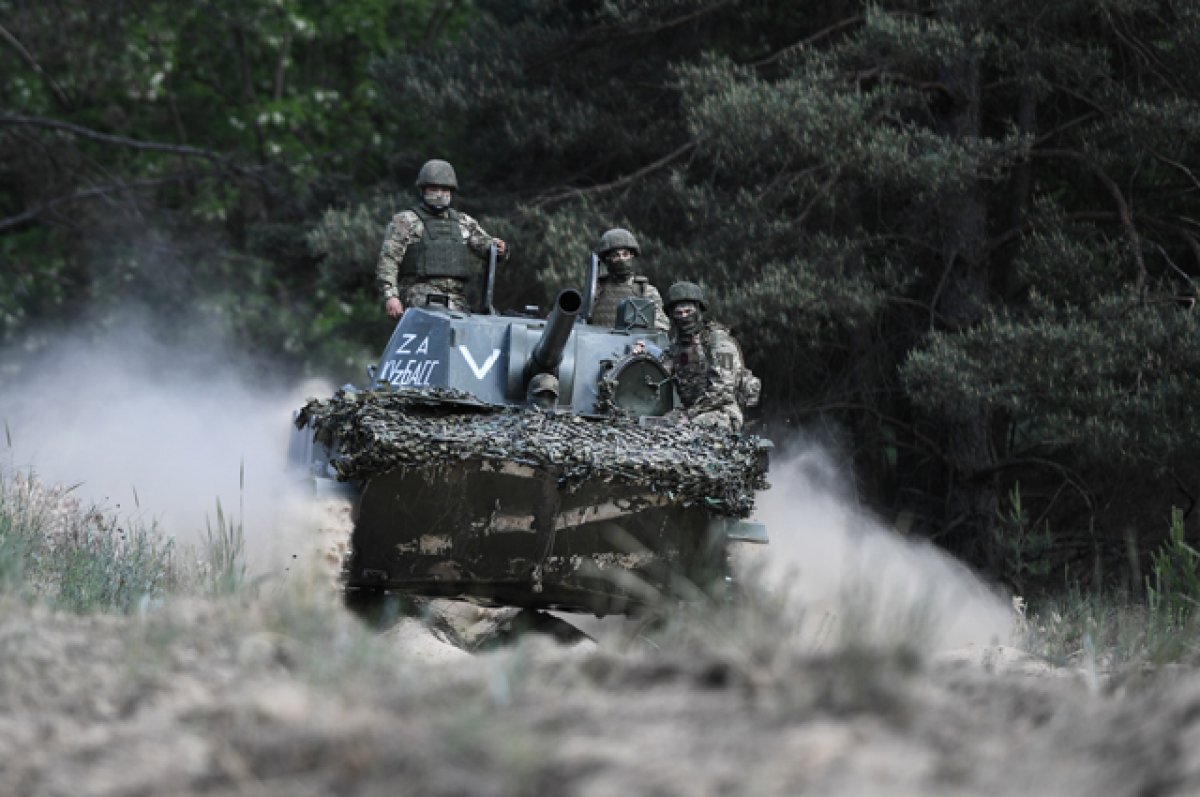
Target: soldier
(425, 247)
(705, 362)
(617, 248)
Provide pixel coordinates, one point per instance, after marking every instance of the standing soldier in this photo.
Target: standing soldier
(618, 248)
(425, 247)
(706, 363)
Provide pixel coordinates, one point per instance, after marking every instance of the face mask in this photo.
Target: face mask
(689, 324)
(437, 199)
(620, 267)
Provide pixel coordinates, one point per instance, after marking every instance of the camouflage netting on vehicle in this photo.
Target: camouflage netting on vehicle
(376, 432)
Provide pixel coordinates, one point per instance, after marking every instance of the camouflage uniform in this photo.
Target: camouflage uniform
(405, 229)
(706, 368)
(611, 289)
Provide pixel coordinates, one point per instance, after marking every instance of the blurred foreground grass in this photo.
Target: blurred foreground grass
(60, 552)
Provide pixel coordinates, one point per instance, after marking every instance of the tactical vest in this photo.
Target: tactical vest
(604, 310)
(441, 251)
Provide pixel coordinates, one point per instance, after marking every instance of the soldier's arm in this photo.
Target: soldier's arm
(401, 232)
(478, 241)
(723, 368)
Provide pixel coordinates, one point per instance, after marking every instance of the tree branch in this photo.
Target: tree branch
(601, 35)
(1190, 174)
(120, 141)
(59, 92)
(112, 188)
(1065, 126)
(807, 42)
(579, 193)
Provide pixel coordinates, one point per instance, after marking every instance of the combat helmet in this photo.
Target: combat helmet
(437, 172)
(685, 292)
(617, 238)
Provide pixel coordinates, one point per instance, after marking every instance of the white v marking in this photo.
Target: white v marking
(480, 371)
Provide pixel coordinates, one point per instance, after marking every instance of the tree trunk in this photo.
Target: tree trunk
(971, 492)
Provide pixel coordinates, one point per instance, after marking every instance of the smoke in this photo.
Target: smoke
(852, 576)
(160, 434)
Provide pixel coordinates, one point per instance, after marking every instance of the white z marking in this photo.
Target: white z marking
(408, 339)
(479, 371)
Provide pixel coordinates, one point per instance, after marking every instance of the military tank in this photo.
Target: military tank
(526, 461)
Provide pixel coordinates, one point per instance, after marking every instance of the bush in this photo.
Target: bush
(1173, 588)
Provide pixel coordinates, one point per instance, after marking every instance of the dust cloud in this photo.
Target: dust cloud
(160, 434)
(856, 579)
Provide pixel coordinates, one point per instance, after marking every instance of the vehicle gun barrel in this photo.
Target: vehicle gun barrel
(548, 352)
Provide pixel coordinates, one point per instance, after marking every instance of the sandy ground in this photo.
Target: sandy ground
(279, 694)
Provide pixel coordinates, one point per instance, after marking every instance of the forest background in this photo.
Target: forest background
(957, 239)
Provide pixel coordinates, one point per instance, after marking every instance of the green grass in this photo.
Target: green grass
(1114, 630)
(59, 552)
(225, 554)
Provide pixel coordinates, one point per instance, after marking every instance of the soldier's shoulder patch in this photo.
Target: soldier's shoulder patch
(721, 341)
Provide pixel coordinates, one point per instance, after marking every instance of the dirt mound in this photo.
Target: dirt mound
(277, 696)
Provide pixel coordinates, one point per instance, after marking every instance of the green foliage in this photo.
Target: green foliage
(225, 553)
(1027, 547)
(1113, 383)
(347, 241)
(55, 551)
(1106, 631)
(1116, 630)
(1173, 588)
(148, 148)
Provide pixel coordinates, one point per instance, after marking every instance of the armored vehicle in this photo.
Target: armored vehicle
(524, 461)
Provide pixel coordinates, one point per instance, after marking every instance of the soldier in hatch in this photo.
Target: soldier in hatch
(618, 248)
(425, 248)
(706, 363)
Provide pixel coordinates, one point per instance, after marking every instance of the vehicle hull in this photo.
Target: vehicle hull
(511, 534)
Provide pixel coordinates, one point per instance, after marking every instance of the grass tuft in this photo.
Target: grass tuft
(56, 551)
(225, 553)
(1118, 631)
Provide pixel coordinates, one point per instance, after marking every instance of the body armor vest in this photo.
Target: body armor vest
(441, 251)
(604, 311)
